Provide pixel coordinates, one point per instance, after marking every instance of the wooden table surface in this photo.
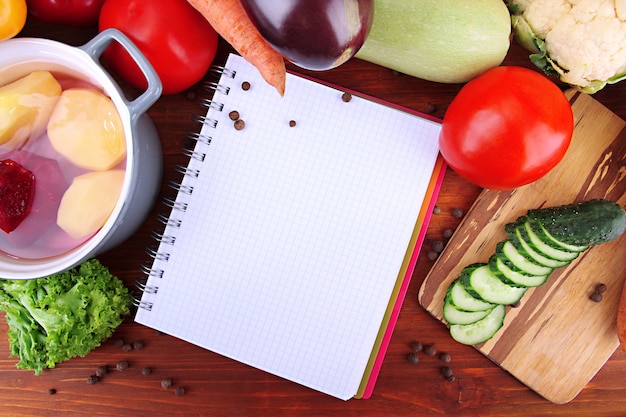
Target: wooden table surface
(217, 386)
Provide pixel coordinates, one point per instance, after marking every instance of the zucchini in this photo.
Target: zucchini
(462, 300)
(507, 251)
(480, 331)
(524, 245)
(484, 284)
(511, 277)
(455, 316)
(588, 223)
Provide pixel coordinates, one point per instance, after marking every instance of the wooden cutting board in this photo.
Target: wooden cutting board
(557, 339)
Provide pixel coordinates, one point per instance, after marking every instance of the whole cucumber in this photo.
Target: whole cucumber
(588, 223)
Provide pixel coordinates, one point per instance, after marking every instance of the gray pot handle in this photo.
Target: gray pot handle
(95, 47)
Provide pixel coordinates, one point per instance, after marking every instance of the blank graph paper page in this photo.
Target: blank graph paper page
(287, 250)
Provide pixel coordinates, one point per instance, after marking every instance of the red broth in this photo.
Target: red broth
(39, 236)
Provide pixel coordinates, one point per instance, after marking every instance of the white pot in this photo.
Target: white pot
(144, 160)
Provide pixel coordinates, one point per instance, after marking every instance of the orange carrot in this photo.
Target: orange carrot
(621, 319)
(229, 19)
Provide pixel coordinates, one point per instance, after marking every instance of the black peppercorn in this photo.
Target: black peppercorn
(190, 95)
(595, 296)
(101, 371)
(601, 288)
(119, 343)
(52, 391)
(92, 379)
(447, 233)
(437, 245)
(127, 347)
(416, 346)
(233, 115)
(430, 350)
(457, 212)
(445, 357)
(121, 365)
(166, 383)
(412, 357)
(180, 391)
(446, 371)
(138, 345)
(239, 124)
(432, 255)
(146, 370)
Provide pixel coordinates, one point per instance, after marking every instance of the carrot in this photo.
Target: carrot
(231, 22)
(621, 319)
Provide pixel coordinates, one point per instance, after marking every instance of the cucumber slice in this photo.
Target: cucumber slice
(550, 240)
(506, 249)
(525, 244)
(564, 255)
(455, 316)
(480, 331)
(511, 277)
(484, 284)
(462, 300)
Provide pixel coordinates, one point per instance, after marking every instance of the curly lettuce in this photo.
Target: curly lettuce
(64, 315)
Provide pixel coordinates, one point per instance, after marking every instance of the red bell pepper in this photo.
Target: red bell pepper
(76, 13)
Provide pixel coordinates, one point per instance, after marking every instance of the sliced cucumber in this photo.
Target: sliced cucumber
(484, 284)
(526, 246)
(462, 300)
(480, 331)
(550, 240)
(511, 277)
(506, 249)
(538, 243)
(455, 316)
(564, 255)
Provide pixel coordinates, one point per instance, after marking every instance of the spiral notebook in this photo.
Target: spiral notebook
(294, 231)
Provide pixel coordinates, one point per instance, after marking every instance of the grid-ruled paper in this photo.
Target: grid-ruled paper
(293, 236)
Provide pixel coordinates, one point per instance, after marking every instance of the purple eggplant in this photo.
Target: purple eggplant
(313, 34)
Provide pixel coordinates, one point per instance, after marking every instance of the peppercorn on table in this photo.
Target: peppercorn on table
(142, 372)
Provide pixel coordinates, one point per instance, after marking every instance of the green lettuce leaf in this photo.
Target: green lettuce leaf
(64, 315)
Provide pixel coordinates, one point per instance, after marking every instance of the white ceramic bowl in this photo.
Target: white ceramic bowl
(144, 160)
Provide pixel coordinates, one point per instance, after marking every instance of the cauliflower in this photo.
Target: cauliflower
(583, 42)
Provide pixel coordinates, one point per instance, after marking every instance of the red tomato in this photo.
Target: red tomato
(506, 128)
(179, 43)
(77, 13)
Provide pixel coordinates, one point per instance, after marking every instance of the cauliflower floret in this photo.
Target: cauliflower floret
(584, 40)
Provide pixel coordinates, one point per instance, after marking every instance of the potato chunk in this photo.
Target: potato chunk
(88, 202)
(86, 128)
(25, 106)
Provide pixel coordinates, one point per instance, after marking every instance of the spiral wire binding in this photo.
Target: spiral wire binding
(168, 221)
(163, 238)
(210, 104)
(189, 172)
(194, 154)
(176, 205)
(196, 136)
(181, 188)
(150, 289)
(203, 120)
(217, 69)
